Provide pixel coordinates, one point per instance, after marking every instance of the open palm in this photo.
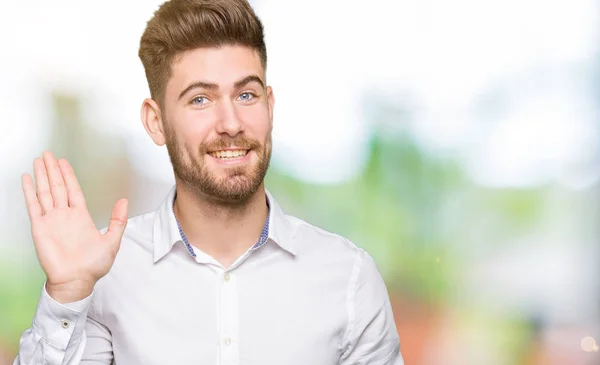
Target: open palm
(72, 252)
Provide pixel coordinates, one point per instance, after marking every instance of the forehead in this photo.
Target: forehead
(220, 65)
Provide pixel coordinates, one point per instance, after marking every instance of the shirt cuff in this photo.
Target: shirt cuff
(60, 324)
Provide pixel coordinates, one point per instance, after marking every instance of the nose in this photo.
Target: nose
(228, 120)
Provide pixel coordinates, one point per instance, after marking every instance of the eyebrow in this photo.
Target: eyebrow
(210, 86)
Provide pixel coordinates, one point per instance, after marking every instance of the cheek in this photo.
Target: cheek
(256, 120)
(193, 127)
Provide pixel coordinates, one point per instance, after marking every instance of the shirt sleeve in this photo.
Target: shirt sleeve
(371, 337)
(58, 334)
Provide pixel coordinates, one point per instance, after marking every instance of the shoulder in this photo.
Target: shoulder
(326, 246)
(136, 249)
(138, 227)
(335, 255)
(309, 239)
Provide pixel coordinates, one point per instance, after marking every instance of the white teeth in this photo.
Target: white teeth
(229, 154)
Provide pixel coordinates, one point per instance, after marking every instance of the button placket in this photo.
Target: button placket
(229, 320)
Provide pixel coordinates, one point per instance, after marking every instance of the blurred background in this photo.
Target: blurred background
(457, 141)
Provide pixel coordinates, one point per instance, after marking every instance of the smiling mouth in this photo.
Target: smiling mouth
(229, 155)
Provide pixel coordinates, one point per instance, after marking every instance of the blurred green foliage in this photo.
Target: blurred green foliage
(411, 211)
(392, 210)
(20, 290)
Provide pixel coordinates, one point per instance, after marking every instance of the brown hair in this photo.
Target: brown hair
(182, 25)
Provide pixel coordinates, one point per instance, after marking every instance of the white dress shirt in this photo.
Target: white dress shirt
(302, 296)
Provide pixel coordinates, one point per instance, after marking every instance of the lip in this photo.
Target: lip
(230, 149)
(236, 161)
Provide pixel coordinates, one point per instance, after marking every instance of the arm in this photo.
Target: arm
(371, 337)
(74, 256)
(65, 334)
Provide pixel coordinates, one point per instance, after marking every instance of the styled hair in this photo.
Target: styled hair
(183, 25)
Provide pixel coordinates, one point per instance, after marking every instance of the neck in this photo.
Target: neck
(221, 230)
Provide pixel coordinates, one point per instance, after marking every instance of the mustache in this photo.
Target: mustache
(239, 142)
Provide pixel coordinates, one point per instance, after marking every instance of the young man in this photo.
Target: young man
(218, 274)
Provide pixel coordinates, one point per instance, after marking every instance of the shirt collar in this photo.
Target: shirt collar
(166, 232)
(280, 230)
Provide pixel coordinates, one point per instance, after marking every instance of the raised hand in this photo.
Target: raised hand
(71, 250)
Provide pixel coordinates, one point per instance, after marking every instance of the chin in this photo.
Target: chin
(234, 193)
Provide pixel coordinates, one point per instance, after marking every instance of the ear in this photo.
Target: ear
(152, 120)
(271, 101)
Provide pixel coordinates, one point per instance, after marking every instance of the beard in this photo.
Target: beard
(238, 185)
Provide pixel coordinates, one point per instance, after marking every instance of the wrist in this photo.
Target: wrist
(69, 292)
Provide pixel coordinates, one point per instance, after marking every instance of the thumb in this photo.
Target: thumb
(118, 221)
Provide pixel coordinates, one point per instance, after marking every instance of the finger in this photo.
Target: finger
(34, 209)
(74, 193)
(57, 184)
(118, 221)
(41, 183)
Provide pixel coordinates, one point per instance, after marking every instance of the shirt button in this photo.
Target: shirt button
(227, 341)
(226, 276)
(65, 324)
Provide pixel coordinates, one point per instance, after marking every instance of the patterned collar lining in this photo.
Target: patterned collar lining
(264, 234)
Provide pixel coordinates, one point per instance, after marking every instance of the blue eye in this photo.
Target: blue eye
(246, 96)
(199, 100)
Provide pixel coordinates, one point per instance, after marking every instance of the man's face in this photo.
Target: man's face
(217, 120)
